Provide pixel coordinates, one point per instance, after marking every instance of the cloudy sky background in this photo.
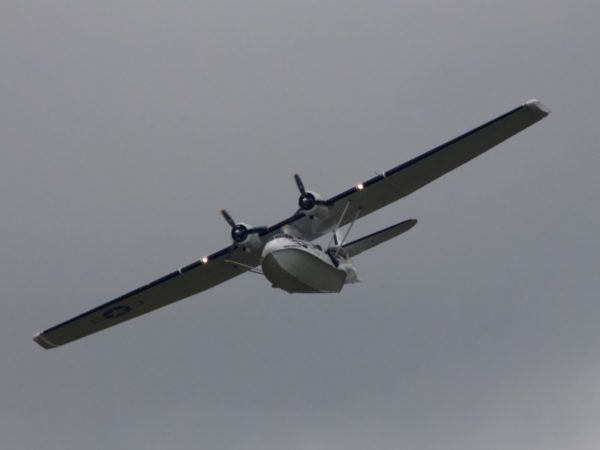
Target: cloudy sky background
(126, 125)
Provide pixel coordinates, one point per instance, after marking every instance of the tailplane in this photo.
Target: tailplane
(379, 237)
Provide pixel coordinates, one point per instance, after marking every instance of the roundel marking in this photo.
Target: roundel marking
(117, 311)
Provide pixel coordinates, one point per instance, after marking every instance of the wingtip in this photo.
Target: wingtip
(43, 342)
(538, 108)
(411, 222)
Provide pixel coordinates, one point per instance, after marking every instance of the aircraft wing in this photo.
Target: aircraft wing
(402, 180)
(406, 178)
(196, 277)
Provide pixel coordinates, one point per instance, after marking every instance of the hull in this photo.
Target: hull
(300, 270)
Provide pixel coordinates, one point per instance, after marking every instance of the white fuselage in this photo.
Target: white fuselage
(295, 265)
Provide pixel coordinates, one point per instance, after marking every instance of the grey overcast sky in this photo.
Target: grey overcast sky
(126, 125)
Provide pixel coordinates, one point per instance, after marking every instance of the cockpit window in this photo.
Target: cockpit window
(298, 241)
(282, 235)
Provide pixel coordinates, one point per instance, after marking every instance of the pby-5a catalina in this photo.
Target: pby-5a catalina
(285, 252)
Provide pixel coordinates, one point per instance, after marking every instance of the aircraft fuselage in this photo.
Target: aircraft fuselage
(295, 265)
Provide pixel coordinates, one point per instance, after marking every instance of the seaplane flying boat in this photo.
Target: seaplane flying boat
(285, 252)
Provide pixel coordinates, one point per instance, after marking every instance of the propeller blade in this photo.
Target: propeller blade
(228, 218)
(299, 184)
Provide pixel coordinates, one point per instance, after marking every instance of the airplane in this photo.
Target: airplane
(285, 252)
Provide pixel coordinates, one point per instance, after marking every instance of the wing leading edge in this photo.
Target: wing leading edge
(379, 237)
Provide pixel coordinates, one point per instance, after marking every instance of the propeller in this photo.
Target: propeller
(240, 231)
(307, 200)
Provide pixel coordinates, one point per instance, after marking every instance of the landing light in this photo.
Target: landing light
(360, 186)
(204, 259)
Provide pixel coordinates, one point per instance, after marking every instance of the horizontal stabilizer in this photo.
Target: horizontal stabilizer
(365, 243)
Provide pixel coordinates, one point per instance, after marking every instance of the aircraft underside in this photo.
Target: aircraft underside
(296, 267)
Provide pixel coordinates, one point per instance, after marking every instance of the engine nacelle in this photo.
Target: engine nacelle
(310, 202)
(243, 235)
(312, 205)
